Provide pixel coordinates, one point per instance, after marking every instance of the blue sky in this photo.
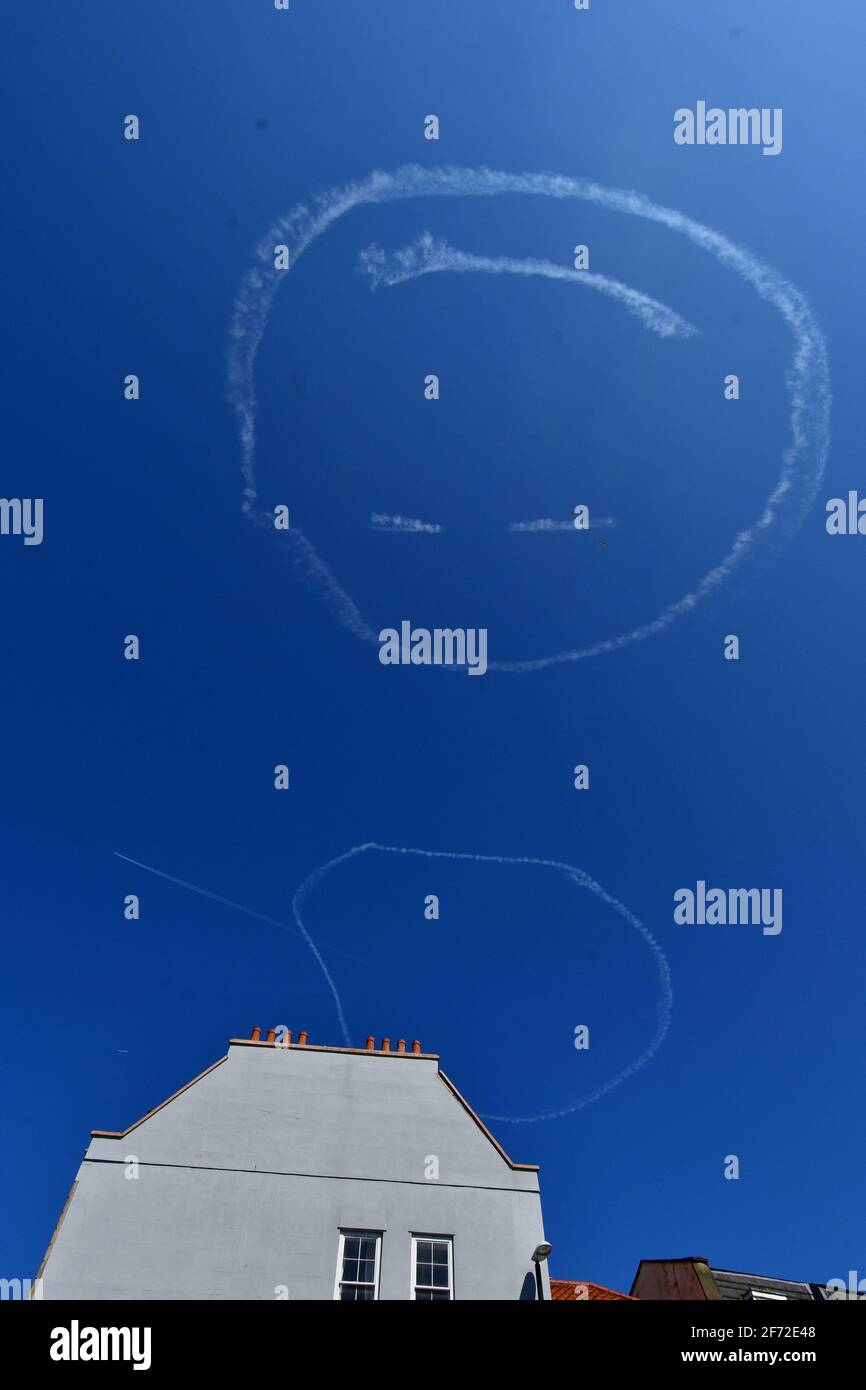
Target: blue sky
(126, 257)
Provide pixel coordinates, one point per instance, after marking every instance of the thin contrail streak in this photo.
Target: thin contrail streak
(577, 876)
(803, 461)
(226, 902)
(428, 256)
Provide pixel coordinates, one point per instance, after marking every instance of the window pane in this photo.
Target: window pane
(432, 1270)
(358, 1273)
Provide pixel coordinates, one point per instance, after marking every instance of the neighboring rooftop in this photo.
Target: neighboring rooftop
(573, 1291)
(694, 1278)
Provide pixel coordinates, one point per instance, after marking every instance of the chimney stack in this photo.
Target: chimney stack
(402, 1047)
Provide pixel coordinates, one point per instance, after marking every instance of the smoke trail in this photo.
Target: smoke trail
(808, 378)
(320, 579)
(578, 877)
(428, 256)
(379, 521)
(547, 523)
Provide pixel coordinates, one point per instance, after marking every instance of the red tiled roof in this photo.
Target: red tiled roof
(566, 1291)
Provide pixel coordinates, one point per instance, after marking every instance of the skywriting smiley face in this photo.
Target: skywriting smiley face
(511, 508)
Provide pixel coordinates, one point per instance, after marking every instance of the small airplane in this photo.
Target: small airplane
(574, 514)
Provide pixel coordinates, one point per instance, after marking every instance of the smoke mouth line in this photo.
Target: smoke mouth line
(428, 256)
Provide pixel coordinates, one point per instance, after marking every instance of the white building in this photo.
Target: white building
(295, 1171)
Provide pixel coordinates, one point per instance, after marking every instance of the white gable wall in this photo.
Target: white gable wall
(246, 1178)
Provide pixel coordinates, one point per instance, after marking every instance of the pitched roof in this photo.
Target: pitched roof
(566, 1291)
(301, 1044)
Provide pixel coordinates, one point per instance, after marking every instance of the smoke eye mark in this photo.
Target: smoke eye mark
(407, 525)
(547, 523)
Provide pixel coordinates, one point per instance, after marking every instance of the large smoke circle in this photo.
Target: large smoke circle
(574, 875)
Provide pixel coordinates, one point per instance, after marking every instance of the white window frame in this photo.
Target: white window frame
(758, 1296)
(413, 1267)
(357, 1231)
